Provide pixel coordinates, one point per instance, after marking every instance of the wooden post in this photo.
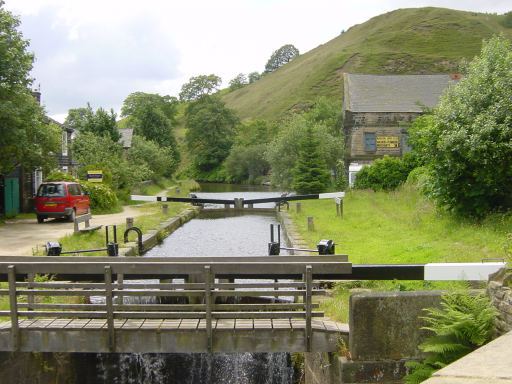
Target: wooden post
(208, 303)
(30, 297)
(109, 307)
(341, 208)
(129, 222)
(120, 281)
(177, 190)
(311, 224)
(226, 206)
(309, 282)
(298, 207)
(165, 209)
(13, 303)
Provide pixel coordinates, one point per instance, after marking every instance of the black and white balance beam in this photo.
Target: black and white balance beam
(431, 271)
(332, 195)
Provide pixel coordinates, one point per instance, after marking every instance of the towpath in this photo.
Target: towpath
(19, 237)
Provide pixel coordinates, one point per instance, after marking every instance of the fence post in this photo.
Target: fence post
(208, 303)
(129, 222)
(30, 297)
(13, 303)
(309, 282)
(120, 281)
(110, 307)
(165, 209)
(297, 207)
(311, 224)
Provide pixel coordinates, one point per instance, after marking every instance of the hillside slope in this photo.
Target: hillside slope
(416, 40)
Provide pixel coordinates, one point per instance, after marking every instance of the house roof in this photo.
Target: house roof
(126, 137)
(393, 93)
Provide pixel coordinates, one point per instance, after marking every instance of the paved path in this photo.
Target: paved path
(20, 237)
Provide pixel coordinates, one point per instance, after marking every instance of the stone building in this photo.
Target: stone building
(378, 109)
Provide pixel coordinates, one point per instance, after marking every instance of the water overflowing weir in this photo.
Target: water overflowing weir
(213, 234)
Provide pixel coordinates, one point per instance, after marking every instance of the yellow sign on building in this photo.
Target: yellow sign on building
(387, 142)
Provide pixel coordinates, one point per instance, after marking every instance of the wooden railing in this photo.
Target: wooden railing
(27, 293)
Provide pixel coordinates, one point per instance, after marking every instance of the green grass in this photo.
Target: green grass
(400, 227)
(405, 41)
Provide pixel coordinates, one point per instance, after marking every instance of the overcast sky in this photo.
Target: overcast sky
(100, 51)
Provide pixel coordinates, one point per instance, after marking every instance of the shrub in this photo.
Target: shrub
(102, 198)
(463, 323)
(60, 176)
(385, 174)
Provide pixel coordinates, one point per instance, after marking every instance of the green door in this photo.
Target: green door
(12, 196)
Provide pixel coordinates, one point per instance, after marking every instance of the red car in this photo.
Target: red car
(61, 199)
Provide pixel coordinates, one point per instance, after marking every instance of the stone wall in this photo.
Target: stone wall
(500, 291)
(385, 331)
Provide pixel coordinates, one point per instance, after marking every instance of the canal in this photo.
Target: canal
(212, 233)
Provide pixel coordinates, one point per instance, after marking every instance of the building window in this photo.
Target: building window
(370, 142)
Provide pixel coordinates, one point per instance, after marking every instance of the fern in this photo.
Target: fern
(464, 322)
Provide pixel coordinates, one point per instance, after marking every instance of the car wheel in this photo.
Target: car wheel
(40, 219)
(72, 215)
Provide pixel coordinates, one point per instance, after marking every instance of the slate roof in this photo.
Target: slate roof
(126, 137)
(393, 93)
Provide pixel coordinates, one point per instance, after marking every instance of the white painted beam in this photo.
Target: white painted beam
(461, 271)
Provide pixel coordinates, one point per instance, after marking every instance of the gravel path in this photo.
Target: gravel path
(20, 237)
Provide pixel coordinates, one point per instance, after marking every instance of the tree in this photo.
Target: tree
(238, 82)
(209, 134)
(247, 163)
(136, 100)
(199, 86)
(310, 174)
(254, 76)
(283, 55)
(99, 123)
(466, 140)
(26, 139)
(160, 160)
(283, 151)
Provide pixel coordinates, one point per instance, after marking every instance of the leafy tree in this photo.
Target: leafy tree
(209, 134)
(199, 86)
(464, 322)
(160, 160)
(466, 140)
(152, 124)
(247, 163)
(283, 151)
(26, 139)
(254, 76)
(283, 55)
(255, 132)
(238, 82)
(99, 123)
(310, 174)
(133, 104)
(327, 112)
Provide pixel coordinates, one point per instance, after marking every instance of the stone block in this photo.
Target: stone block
(387, 325)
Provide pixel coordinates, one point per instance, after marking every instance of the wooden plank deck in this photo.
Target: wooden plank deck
(173, 335)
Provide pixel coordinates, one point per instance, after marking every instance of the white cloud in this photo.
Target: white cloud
(100, 51)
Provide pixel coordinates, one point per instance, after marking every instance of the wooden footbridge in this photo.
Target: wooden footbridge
(50, 310)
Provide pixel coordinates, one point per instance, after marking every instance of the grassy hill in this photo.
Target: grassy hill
(405, 41)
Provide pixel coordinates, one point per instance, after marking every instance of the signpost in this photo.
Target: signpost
(95, 176)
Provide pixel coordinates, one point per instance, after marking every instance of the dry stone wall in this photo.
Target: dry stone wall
(500, 291)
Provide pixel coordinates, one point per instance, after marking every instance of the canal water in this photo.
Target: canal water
(211, 234)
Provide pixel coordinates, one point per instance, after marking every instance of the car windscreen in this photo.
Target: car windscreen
(51, 190)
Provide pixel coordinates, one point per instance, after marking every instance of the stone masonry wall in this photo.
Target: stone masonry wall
(500, 291)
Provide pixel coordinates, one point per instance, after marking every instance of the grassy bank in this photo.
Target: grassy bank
(400, 227)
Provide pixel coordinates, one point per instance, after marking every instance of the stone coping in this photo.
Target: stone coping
(491, 363)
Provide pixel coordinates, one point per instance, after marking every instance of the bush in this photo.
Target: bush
(463, 323)
(102, 198)
(60, 176)
(385, 174)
